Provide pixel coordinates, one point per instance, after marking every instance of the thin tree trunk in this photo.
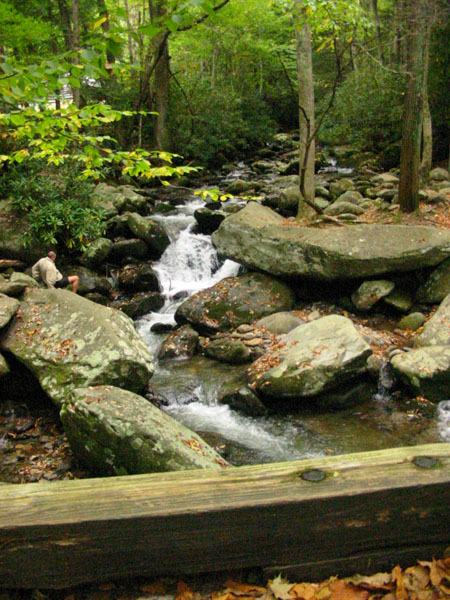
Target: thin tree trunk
(376, 18)
(306, 117)
(161, 79)
(412, 112)
(130, 40)
(427, 128)
(76, 44)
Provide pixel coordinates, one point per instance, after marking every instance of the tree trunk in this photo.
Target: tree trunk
(76, 44)
(412, 111)
(161, 78)
(376, 18)
(306, 115)
(427, 128)
(130, 39)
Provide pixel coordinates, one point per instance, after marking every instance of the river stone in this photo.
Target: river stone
(385, 178)
(4, 367)
(122, 198)
(337, 188)
(244, 401)
(67, 341)
(289, 199)
(181, 343)
(400, 299)
(140, 304)
(437, 286)
(280, 322)
(341, 207)
(135, 248)
(151, 232)
(351, 196)
(260, 238)
(116, 432)
(239, 186)
(412, 321)
(139, 278)
(16, 284)
(370, 292)
(229, 351)
(436, 331)
(234, 301)
(426, 370)
(96, 252)
(439, 174)
(90, 282)
(209, 220)
(8, 308)
(313, 358)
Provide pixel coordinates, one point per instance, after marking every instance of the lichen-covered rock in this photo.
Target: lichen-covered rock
(8, 308)
(426, 370)
(234, 301)
(436, 331)
(311, 359)
(182, 343)
(209, 220)
(123, 249)
(439, 174)
(228, 350)
(16, 284)
(116, 432)
(337, 188)
(258, 237)
(370, 292)
(437, 286)
(342, 207)
(118, 199)
(151, 232)
(68, 341)
(239, 186)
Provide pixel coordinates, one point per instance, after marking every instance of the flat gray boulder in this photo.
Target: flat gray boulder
(68, 342)
(311, 359)
(116, 432)
(258, 237)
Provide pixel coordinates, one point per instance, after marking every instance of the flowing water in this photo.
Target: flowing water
(189, 389)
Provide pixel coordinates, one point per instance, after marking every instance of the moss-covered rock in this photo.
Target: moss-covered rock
(116, 432)
(96, 252)
(151, 232)
(140, 304)
(426, 371)
(436, 331)
(8, 308)
(311, 359)
(228, 350)
(139, 278)
(67, 341)
(437, 286)
(16, 284)
(182, 343)
(234, 301)
(370, 292)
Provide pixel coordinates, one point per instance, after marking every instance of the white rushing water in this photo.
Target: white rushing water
(189, 265)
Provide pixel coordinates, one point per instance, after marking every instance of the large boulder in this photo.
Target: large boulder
(96, 252)
(261, 239)
(437, 286)
(140, 304)
(426, 371)
(151, 232)
(8, 308)
(90, 282)
(116, 432)
(67, 341)
(311, 359)
(234, 301)
(118, 199)
(436, 331)
(139, 278)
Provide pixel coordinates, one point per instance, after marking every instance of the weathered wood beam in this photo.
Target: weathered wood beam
(363, 507)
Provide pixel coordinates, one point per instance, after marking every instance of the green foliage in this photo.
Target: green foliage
(368, 110)
(56, 206)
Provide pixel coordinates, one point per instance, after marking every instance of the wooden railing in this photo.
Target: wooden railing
(316, 517)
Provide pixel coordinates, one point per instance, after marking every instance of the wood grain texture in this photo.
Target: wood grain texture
(54, 535)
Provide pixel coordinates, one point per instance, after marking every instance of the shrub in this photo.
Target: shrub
(55, 204)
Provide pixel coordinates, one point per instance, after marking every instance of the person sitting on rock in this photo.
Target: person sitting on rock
(46, 270)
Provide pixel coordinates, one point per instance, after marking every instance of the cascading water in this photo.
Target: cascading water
(188, 265)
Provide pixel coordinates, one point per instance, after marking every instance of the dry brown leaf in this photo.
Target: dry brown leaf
(157, 588)
(379, 581)
(416, 578)
(304, 591)
(397, 576)
(347, 591)
(242, 589)
(184, 591)
(281, 588)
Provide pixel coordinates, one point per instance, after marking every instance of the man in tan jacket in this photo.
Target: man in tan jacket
(46, 270)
